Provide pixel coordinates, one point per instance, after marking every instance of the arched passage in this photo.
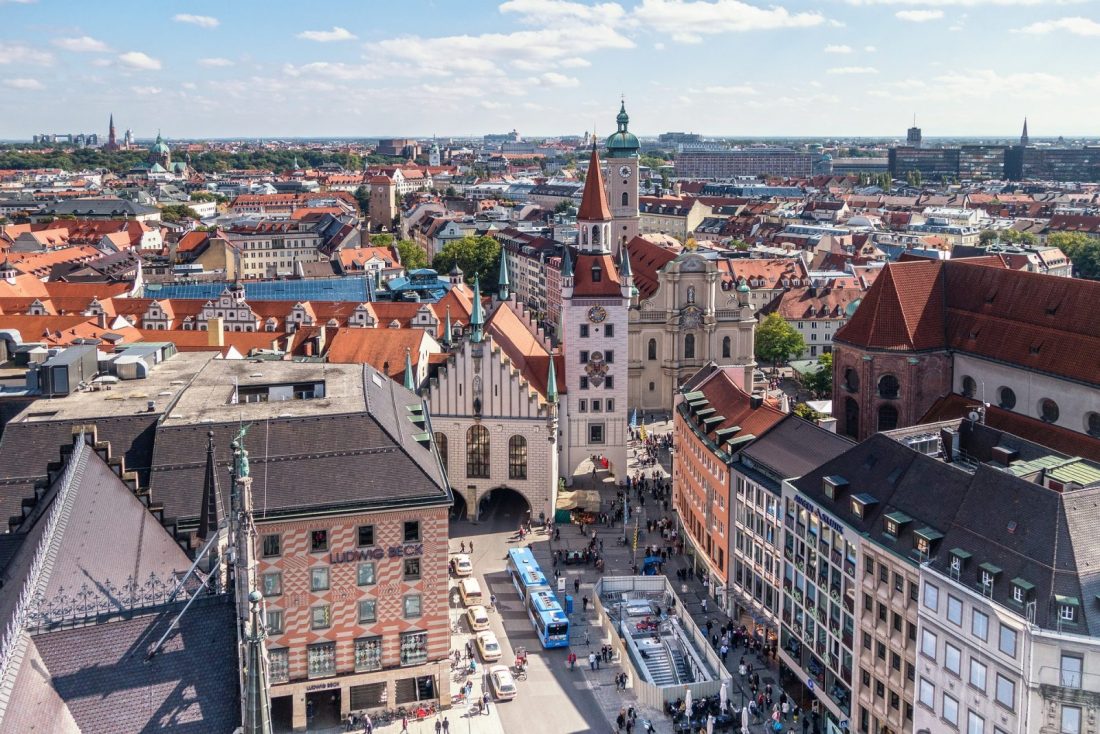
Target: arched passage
(504, 507)
(459, 509)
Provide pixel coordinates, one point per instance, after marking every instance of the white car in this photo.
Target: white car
(477, 618)
(488, 647)
(461, 565)
(502, 683)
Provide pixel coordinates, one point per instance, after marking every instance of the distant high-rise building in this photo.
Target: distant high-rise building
(1023, 136)
(912, 136)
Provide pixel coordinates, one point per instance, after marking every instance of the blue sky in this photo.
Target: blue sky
(456, 67)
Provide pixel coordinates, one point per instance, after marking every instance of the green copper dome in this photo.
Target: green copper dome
(622, 143)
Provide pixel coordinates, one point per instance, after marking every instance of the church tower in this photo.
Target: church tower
(622, 174)
(596, 294)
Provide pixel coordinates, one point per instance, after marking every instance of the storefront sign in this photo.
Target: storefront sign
(377, 554)
(323, 686)
(825, 519)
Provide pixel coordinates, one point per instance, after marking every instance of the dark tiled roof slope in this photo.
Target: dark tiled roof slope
(794, 446)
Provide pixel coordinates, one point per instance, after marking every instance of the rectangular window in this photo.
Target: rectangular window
(868, 602)
(584, 356)
(1006, 692)
(318, 541)
(895, 660)
(412, 531)
(927, 693)
(411, 605)
(880, 650)
(883, 571)
(414, 648)
(950, 710)
(954, 611)
(272, 582)
(609, 356)
(597, 405)
(609, 404)
(899, 583)
(1007, 641)
(609, 382)
(368, 611)
(609, 331)
(952, 658)
(1071, 720)
(364, 575)
(274, 621)
(412, 569)
(368, 654)
(366, 535)
(279, 665)
(584, 331)
(1071, 669)
(272, 545)
(868, 566)
(595, 433)
(584, 383)
(582, 406)
(974, 724)
(979, 625)
(928, 644)
(914, 590)
(318, 579)
(320, 617)
(321, 659)
(977, 675)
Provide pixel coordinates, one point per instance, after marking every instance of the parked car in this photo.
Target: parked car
(502, 683)
(478, 618)
(461, 565)
(488, 647)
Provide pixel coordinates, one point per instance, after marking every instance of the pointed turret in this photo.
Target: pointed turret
(593, 202)
(477, 315)
(447, 331)
(257, 701)
(502, 281)
(551, 382)
(625, 270)
(567, 264)
(210, 514)
(410, 378)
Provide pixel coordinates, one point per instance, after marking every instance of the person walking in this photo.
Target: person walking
(485, 700)
(446, 726)
(404, 722)
(591, 661)
(576, 586)
(438, 726)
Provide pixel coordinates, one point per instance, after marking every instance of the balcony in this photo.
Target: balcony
(1069, 687)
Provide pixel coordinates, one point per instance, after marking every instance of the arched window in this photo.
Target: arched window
(441, 447)
(851, 379)
(851, 417)
(1006, 398)
(887, 418)
(970, 387)
(725, 347)
(626, 199)
(1048, 410)
(517, 457)
(652, 349)
(477, 452)
(888, 386)
(689, 346)
(596, 234)
(652, 387)
(584, 235)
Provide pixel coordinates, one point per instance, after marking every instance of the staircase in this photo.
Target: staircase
(680, 665)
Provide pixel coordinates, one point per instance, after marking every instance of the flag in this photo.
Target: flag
(642, 433)
(634, 420)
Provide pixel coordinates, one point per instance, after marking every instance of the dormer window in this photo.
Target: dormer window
(834, 486)
(924, 539)
(1067, 607)
(1021, 590)
(959, 557)
(861, 503)
(894, 522)
(597, 273)
(987, 575)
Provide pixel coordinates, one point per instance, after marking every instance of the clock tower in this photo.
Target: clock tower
(596, 292)
(622, 174)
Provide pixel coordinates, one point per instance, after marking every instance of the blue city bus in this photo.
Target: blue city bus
(551, 624)
(524, 571)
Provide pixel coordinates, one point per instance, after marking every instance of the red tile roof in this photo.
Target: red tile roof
(646, 259)
(593, 202)
(735, 406)
(903, 310)
(383, 349)
(517, 337)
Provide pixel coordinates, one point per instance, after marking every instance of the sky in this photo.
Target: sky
(271, 68)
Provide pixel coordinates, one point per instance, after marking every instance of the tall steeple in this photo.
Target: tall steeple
(257, 700)
(551, 382)
(477, 315)
(410, 379)
(112, 143)
(594, 216)
(211, 512)
(447, 329)
(502, 281)
(1023, 136)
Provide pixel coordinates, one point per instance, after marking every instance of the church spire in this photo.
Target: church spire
(567, 264)
(210, 514)
(477, 316)
(502, 281)
(257, 701)
(410, 380)
(1023, 136)
(447, 328)
(593, 202)
(551, 382)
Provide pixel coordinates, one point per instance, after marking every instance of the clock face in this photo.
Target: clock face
(597, 314)
(624, 171)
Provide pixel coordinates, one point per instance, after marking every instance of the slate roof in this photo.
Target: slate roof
(794, 446)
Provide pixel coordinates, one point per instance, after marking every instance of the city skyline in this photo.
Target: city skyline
(552, 67)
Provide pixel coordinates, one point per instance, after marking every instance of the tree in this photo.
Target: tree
(475, 255)
(805, 412)
(1083, 250)
(739, 245)
(777, 341)
(412, 255)
(381, 240)
(987, 237)
(173, 213)
(362, 198)
(820, 383)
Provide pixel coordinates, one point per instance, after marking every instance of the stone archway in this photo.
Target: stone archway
(503, 503)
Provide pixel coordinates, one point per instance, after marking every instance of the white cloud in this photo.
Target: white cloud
(1076, 26)
(139, 60)
(202, 21)
(852, 70)
(870, 49)
(737, 89)
(549, 12)
(964, 3)
(919, 16)
(838, 49)
(333, 70)
(18, 53)
(658, 46)
(29, 84)
(215, 61)
(146, 91)
(554, 80)
(18, 2)
(687, 20)
(575, 62)
(81, 44)
(336, 34)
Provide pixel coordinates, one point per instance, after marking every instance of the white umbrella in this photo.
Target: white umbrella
(687, 703)
(745, 720)
(710, 724)
(723, 694)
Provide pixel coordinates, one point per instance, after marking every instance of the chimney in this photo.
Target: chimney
(756, 400)
(307, 347)
(101, 320)
(215, 332)
(949, 439)
(677, 189)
